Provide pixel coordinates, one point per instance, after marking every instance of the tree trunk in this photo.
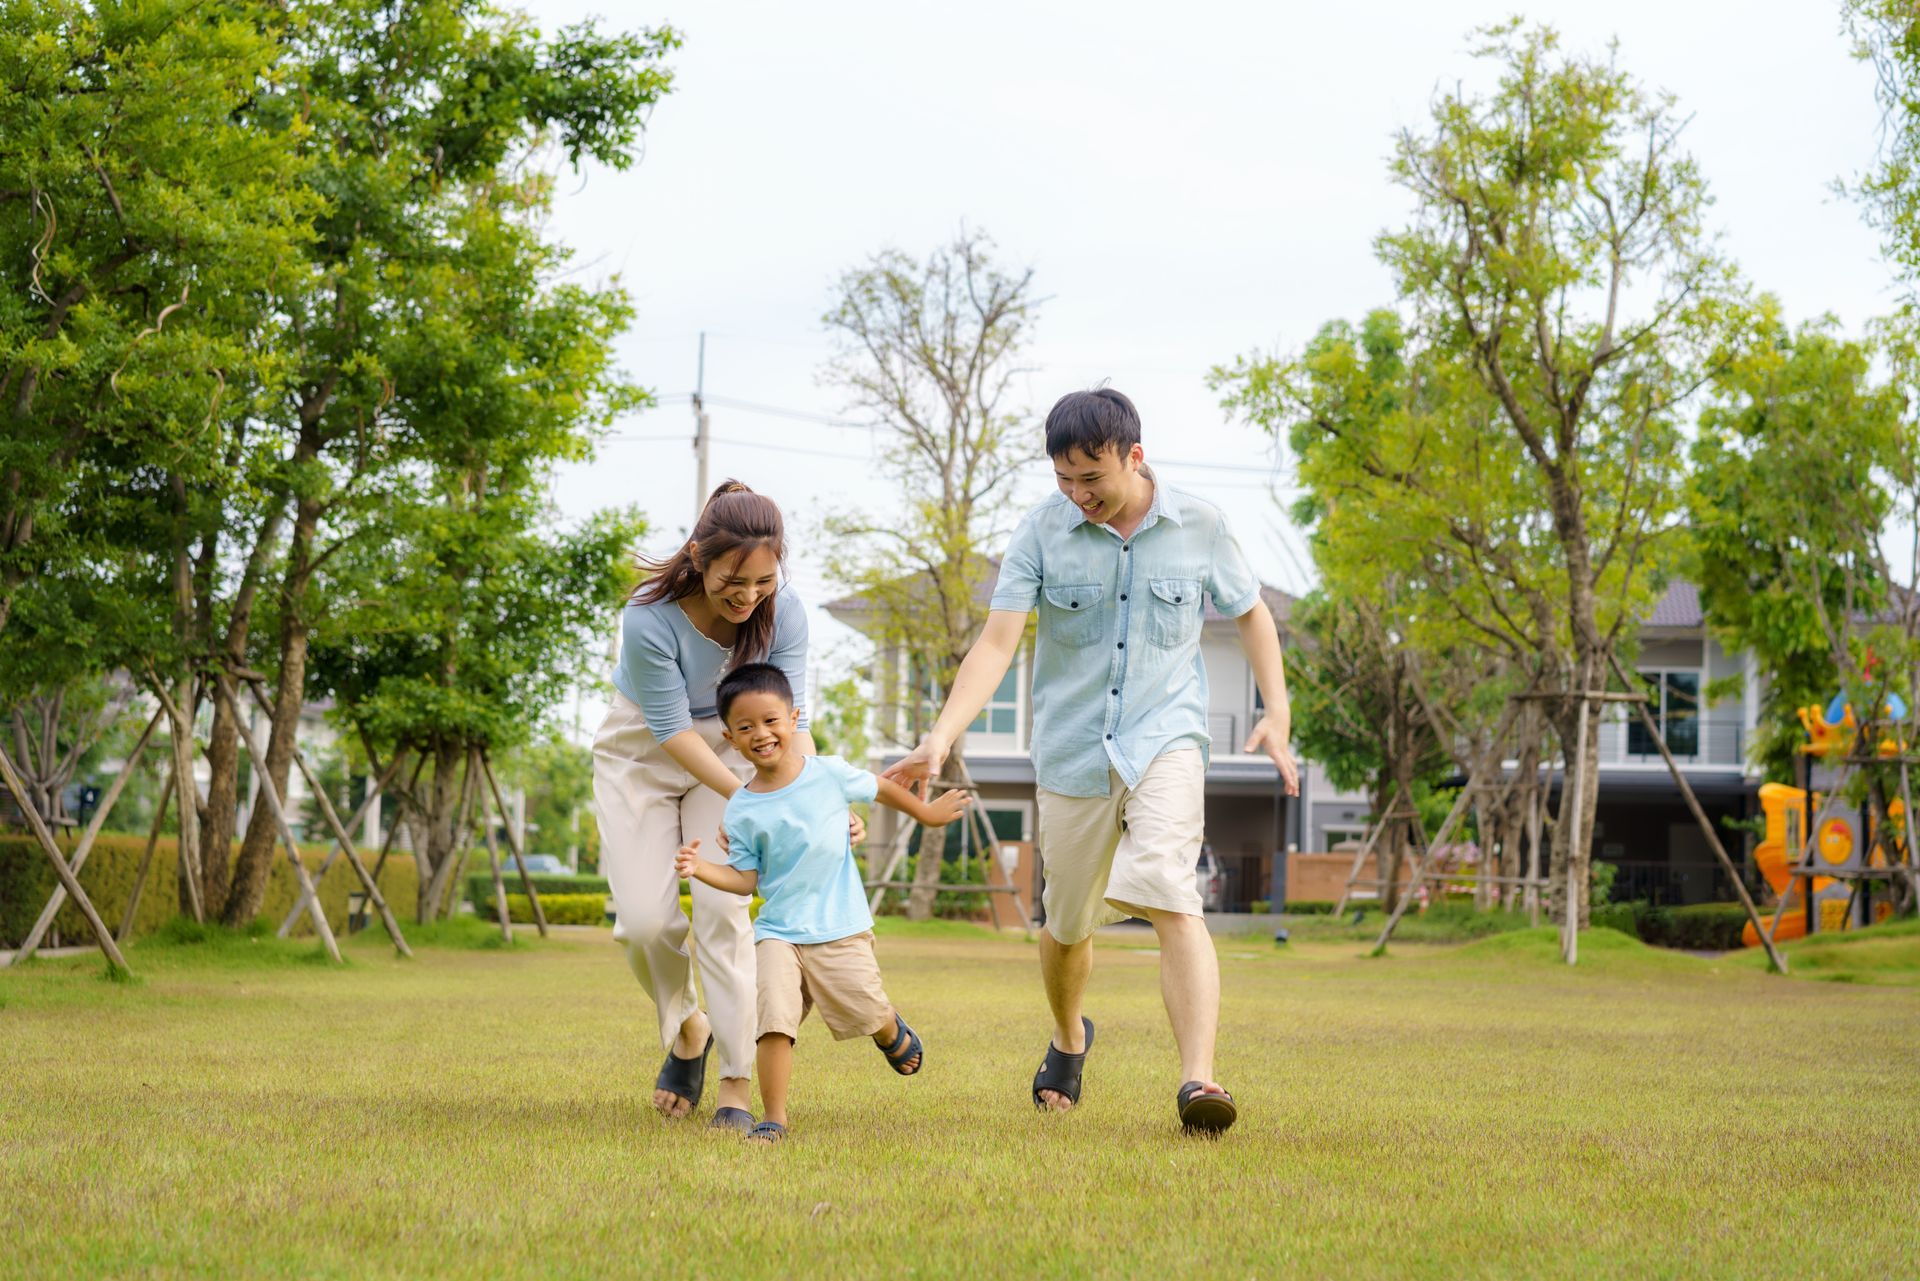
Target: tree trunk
(1573, 834)
(223, 740)
(250, 868)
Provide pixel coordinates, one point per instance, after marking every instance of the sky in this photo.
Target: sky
(1188, 183)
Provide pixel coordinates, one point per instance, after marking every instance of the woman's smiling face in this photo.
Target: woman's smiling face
(735, 585)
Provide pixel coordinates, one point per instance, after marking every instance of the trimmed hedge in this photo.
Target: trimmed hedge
(560, 909)
(1324, 907)
(480, 884)
(27, 880)
(1699, 927)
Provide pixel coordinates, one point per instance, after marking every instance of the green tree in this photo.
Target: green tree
(1548, 459)
(1790, 499)
(421, 301)
(930, 350)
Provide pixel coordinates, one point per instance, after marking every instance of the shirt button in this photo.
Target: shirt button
(1121, 645)
(1123, 595)
(1126, 547)
(1073, 604)
(1109, 738)
(1114, 692)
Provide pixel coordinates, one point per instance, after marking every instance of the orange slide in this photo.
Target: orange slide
(1775, 860)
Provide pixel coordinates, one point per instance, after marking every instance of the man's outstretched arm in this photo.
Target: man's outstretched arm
(980, 674)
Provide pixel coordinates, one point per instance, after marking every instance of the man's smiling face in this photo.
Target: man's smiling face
(1103, 486)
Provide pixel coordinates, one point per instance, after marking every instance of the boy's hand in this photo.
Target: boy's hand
(917, 766)
(1270, 737)
(945, 809)
(687, 859)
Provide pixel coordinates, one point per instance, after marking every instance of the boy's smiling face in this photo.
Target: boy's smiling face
(761, 726)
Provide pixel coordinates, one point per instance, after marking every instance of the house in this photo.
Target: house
(1248, 816)
(1642, 825)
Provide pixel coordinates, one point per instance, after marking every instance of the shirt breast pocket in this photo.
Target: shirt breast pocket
(1073, 616)
(1175, 613)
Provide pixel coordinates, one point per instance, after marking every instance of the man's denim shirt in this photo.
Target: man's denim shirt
(1117, 676)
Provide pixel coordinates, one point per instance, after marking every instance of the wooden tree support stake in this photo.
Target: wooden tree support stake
(87, 838)
(146, 859)
(513, 844)
(60, 868)
(271, 795)
(493, 867)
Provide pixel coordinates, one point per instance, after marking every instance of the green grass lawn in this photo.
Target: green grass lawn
(1471, 1111)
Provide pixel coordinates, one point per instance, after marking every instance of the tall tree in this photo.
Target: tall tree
(1536, 205)
(1796, 465)
(427, 121)
(930, 351)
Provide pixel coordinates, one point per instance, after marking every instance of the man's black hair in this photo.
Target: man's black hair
(1090, 421)
(751, 678)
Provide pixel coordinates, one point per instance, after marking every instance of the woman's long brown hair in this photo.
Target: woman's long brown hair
(735, 520)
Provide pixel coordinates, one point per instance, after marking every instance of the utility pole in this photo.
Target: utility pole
(700, 438)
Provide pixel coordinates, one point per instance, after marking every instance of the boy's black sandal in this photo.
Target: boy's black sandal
(904, 1047)
(1204, 1113)
(767, 1132)
(686, 1078)
(1060, 1071)
(732, 1119)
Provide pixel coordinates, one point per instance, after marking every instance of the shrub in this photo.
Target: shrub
(27, 880)
(1324, 907)
(1700, 927)
(560, 909)
(480, 883)
(955, 905)
(1260, 906)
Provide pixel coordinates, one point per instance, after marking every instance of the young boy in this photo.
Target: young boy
(787, 837)
(1117, 564)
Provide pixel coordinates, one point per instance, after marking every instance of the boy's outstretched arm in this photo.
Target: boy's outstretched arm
(938, 812)
(1260, 639)
(731, 879)
(979, 676)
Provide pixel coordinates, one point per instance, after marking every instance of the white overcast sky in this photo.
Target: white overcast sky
(1189, 182)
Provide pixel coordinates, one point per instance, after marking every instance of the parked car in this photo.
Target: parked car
(546, 865)
(1210, 878)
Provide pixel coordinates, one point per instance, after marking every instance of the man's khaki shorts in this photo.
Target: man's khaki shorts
(1107, 858)
(842, 978)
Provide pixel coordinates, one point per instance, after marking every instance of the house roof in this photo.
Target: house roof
(852, 608)
(1680, 607)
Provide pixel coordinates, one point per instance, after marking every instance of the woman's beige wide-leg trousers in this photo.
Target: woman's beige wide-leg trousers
(648, 805)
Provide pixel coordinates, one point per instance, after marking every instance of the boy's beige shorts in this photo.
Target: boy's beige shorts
(1107, 858)
(841, 979)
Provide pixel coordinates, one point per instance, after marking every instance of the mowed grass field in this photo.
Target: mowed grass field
(1441, 1112)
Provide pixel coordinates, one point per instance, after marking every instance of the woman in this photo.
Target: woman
(662, 775)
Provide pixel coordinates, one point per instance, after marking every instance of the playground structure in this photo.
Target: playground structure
(1813, 854)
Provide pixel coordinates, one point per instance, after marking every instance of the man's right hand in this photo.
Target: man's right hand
(921, 764)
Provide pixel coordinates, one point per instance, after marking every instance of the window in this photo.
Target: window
(1674, 699)
(1001, 715)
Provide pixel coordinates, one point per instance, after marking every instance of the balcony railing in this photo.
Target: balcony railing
(1693, 740)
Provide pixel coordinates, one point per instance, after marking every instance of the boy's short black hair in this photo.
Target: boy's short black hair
(1090, 421)
(751, 678)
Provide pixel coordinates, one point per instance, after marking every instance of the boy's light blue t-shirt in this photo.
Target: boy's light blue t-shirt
(796, 838)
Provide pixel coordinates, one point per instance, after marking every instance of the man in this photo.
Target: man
(1117, 564)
